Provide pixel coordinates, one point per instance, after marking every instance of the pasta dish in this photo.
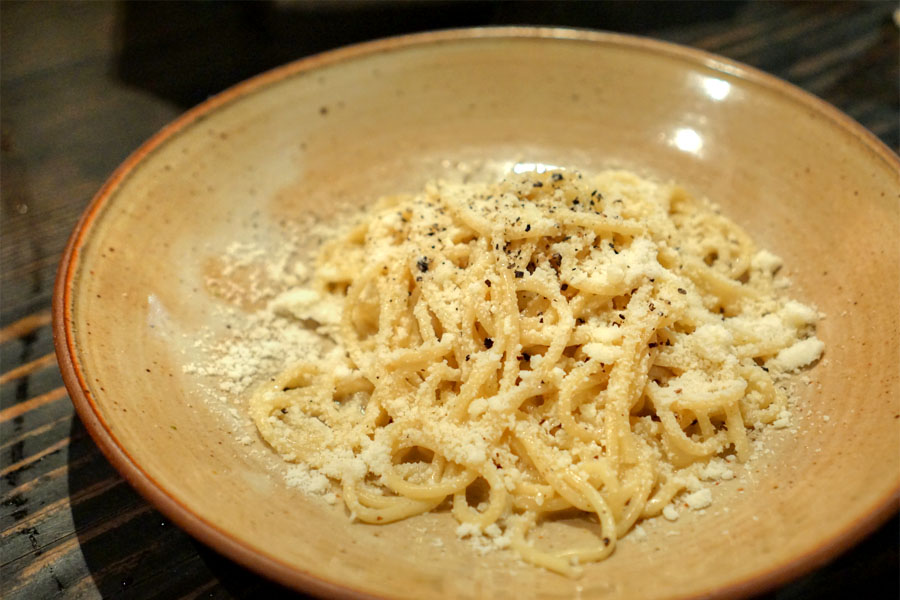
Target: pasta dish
(551, 342)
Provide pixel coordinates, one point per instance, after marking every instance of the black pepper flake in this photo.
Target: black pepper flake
(556, 177)
(576, 202)
(528, 227)
(488, 343)
(537, 184)
(682, 291)
(606, 541)
(526, 356)
(652, 344)
(284, 411)
(467, 358)
(556, 261)
(564, 287)
(519, 274)
(487, 282)
(579, 321)
(422, 263)
(765, 369)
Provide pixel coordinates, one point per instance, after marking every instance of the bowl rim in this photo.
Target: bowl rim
(274, 568)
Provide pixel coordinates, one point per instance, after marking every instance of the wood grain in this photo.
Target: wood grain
(83, 84)
(24, 326)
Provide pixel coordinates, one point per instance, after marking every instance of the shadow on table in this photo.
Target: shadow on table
(186, 51)
(132, 551)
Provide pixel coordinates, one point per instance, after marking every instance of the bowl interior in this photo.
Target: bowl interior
(312, 140)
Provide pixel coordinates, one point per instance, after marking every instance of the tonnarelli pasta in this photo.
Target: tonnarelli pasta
(549, 342)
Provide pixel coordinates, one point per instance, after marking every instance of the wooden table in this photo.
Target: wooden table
(83, 84)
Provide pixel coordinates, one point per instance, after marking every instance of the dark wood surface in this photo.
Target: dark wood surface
(83, 84)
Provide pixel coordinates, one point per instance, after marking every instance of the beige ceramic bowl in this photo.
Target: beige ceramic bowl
(345, 127)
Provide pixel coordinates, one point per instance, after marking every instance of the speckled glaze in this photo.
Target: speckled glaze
(342, 128)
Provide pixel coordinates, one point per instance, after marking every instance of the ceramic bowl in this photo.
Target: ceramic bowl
(136, 296)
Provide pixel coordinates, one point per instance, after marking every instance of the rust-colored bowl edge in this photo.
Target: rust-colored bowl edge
(270, 566)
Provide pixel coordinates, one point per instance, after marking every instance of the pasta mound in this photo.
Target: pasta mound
(552, 342)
